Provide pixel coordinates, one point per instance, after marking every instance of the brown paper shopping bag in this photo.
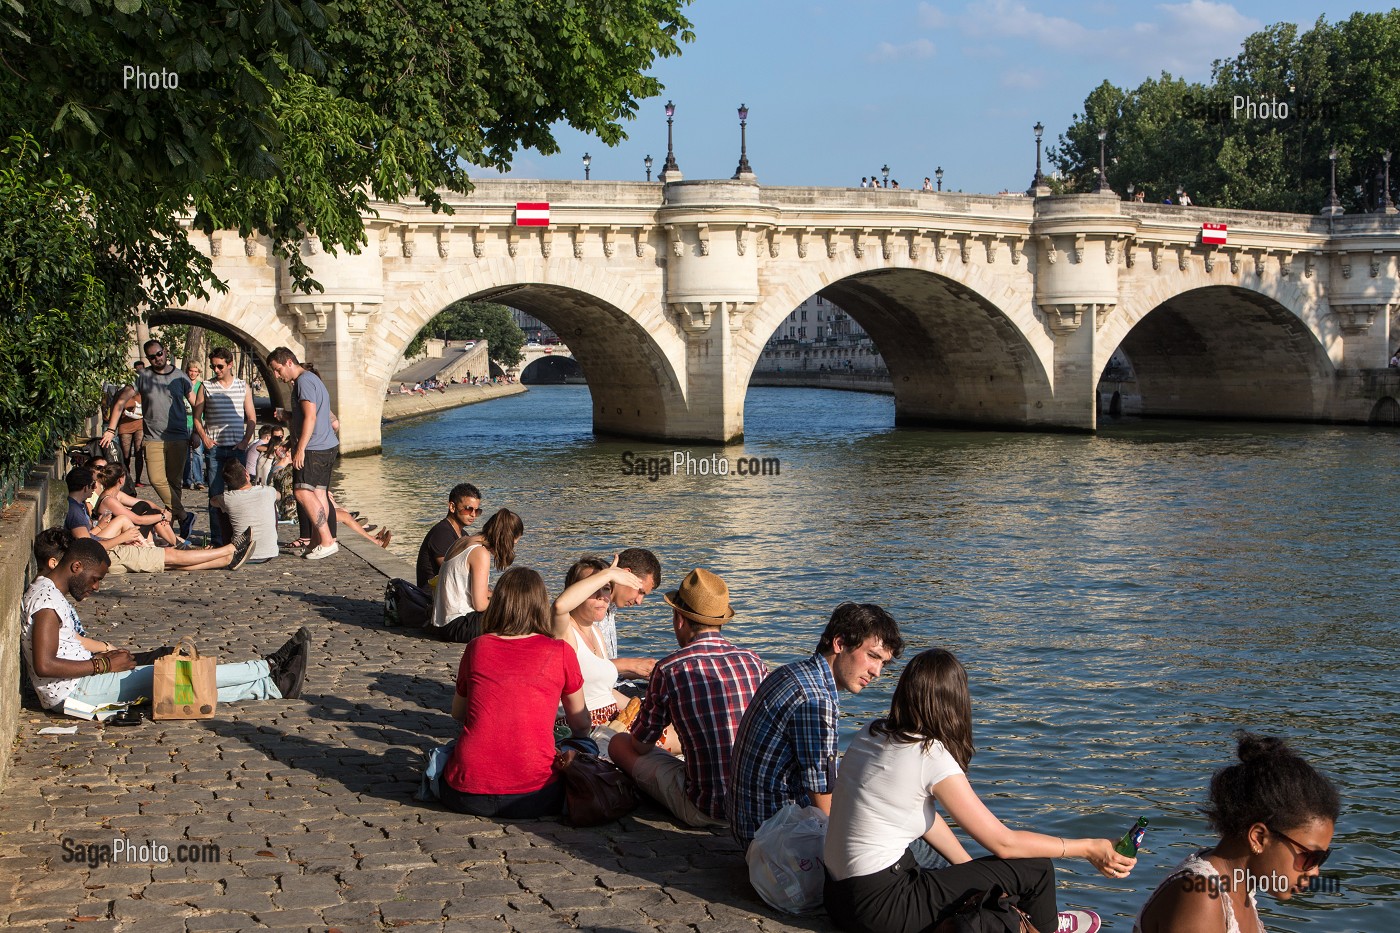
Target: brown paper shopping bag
(183, 685)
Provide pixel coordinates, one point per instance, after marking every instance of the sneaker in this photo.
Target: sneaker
(187, 524)
(1078, 921)
(287, 665)
(240, 554)
(322, 550)
(241, 538)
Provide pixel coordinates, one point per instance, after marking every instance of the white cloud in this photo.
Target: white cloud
(1024, 80)
(889, 52)
(931, 17)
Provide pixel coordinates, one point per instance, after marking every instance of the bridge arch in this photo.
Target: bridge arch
(231, 323)
(954, 353)
(608, 324)
(1206, 349)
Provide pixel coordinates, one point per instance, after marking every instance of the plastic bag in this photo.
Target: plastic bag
(785, 859)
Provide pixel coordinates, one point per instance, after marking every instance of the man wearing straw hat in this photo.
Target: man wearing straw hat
(702, 690)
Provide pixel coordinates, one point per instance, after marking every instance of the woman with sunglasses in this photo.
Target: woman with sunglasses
(582, 604)
(898, 773)
(1275, 814)
(464, 583)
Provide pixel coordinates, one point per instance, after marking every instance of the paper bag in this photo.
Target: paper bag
(183, 685)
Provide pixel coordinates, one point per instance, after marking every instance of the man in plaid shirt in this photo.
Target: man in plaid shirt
(702, 690)
(786, 747)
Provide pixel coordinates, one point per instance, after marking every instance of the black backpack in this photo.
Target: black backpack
(406, 604)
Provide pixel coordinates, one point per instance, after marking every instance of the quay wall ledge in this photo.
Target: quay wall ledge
(850, 382)
(402, 407)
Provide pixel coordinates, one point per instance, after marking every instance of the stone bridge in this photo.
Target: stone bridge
(990, 311)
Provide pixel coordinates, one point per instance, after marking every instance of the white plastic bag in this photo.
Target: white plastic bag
(785, 859)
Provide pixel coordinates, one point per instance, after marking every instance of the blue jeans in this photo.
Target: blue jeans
(194, 466)
(218, 456)
(245, 680)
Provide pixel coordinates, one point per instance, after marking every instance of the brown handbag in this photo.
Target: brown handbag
(183, 685)
(595, 791)
(991, 911)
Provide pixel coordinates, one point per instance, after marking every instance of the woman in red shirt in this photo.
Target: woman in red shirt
(509, 686)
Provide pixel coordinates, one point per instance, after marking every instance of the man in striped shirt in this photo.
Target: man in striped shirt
(224, 422)
(786, 747)
(702, 690)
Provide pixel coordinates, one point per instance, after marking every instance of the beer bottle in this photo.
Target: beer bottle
(1128, 845)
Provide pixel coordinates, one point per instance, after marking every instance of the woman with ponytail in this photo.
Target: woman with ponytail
(463, 589)
(1275, 815)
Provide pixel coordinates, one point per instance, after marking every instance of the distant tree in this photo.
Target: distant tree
(476, 320)
(1339, 82)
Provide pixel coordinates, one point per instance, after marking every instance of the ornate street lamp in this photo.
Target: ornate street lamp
(938, 175)
(670, 164)
(1387, 206)
(885, 170)
(1039, 180)
(1103, 187)
(1333, 206)
(587, 161)
(1131, 189)
(647, 163)
(743, 168)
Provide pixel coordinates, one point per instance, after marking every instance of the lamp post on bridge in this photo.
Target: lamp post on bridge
(744, 168)
(1038, 185)
(647, 163)
(885, 170)
(1387, 205)
(1103, 187)
(587, 161)
(670, 170)
(938, 176)
(1333, 206)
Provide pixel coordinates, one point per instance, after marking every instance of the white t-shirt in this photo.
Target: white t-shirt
(453, 597)
(255, 508)
(599, 674)
(606, 627)
(883, 801)
(42, 594)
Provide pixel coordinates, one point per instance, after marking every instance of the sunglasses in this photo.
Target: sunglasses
(155, 356)
(469, 510)
(1304, 859)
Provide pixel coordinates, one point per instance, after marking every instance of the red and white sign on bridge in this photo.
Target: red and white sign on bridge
(532, 213)
(1214, 234)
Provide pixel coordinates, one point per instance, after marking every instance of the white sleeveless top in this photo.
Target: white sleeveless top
(1199, 866)
(599, 674)
(453, 597)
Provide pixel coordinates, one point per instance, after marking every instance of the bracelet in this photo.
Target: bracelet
(1064, 847)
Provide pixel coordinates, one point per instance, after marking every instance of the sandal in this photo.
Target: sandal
(385, 537)
(299, 542)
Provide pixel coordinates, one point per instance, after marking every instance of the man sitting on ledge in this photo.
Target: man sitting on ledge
(63, 670)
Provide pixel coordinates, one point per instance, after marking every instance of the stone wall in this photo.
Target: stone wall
(18, 525)
(853, 382)
(399, 407)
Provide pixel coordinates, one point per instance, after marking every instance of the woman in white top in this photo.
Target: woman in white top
(464, 582)
(582, 604)
(895, 773)
(112, 501)
(1275, 815)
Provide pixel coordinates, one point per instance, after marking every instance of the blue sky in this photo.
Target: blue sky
(837, 89)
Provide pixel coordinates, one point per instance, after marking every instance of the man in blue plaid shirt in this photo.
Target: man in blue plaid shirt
(786, 747)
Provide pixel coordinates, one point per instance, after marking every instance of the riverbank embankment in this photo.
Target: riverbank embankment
(400, 407)
(802, 379)
(299, 814)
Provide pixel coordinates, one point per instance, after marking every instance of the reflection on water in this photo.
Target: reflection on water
(1122, 602)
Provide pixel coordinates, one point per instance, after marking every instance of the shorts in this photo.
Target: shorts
(316, 470)
(130, 558)
(662, 776)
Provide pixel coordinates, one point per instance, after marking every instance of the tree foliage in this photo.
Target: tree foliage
(476, 320)
(284, 118)
(1339, 81)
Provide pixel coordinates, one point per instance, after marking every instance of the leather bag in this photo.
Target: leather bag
(183, 685)
(595, 791)
(991, 911)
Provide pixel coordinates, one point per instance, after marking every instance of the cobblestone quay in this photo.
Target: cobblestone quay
(309, 801)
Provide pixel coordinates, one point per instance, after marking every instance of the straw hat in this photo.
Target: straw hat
(702, 597)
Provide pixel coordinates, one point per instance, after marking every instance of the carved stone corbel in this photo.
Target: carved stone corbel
(640, 238)
(1354, 320)
(547, 242)
(609, 235)
(859, 240)
(938, 246)
(311, 317)
(1234, 256)
(444, 241)
(741, 238)
(831, 236)
(1063, 319)
(1210, 260)
(580, 232)
(479, 241)
(990, 241)
(774, 242)
(216, 244)
(357, 315)
(410, 233)
(1130, 252)
(673, 232)
(702, 234)
(313, 244)
(1183, 257)
(1101, 313)
(1052, 255)
(1308, 259)
(1285, 263)
(965, 247)
(885, 243)
(1258, 255)
(513, 241)
(1155, 250)
(1377, 257)
(914, 245)
(736, 311)
(250, 244)
(1079, 242)
(383, 234)
(1017, 243)
(1110, 249)
(692, 316)
(803, 236)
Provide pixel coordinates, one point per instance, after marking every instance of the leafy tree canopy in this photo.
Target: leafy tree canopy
(1340, 83)
(476, 320)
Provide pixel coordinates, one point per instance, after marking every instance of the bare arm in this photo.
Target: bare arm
(47, 663)
(250, 419)
(940, 836)
(479, 566)
(459, 707)
(308, 424)
(118, 406)
(574, 596)
(576, 714)
(630, 668)
(197, 406)
(963, 804)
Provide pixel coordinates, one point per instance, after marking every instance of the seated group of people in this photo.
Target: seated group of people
(722, 742)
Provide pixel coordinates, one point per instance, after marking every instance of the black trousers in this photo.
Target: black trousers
(460, 630)
(547, 801)
(905, 898)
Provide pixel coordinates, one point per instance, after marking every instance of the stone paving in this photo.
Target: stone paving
(309, 801)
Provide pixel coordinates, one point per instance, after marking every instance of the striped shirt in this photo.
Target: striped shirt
(223, 411)
(786, 747)
(701, 690)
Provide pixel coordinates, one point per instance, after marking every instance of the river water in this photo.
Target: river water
(1122, 602)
